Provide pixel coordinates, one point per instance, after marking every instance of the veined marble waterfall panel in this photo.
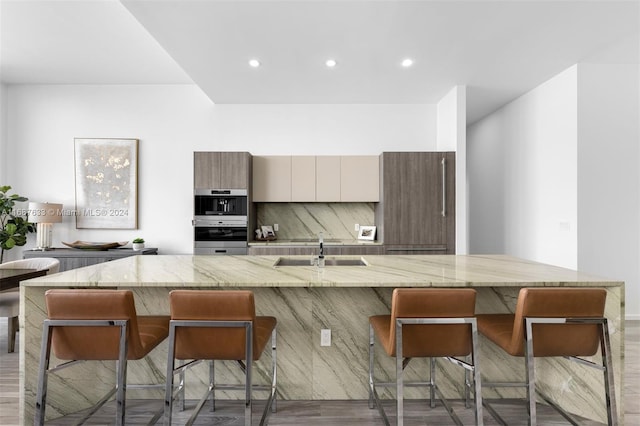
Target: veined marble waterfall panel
(306, 220)
(308, 371)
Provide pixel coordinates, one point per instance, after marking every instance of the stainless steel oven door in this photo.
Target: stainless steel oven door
(220, 237)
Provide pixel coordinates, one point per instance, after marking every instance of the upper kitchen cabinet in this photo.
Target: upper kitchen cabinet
(417, 209)
(360, 178)
(324, 178)
(222, 170)
(303, 178)
(272, 178)
(328, 178)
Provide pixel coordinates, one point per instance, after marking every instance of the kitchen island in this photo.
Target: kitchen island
(305, 300)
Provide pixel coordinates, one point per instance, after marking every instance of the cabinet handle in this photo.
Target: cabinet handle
(444, 187)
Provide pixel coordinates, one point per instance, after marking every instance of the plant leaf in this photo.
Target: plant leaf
(11, 228)
(9, 244)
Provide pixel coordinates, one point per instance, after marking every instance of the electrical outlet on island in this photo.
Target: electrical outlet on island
(325, 337)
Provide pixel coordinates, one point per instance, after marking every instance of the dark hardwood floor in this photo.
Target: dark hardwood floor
(316, 413)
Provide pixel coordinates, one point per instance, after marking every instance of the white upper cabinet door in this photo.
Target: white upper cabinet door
(303, 178)
(360, 178)
(328, 178)
(272, 178)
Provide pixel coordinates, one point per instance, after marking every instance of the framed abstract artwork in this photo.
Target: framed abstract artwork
(106, 174)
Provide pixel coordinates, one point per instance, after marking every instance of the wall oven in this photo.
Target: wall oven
(220, 221)
(210, 203)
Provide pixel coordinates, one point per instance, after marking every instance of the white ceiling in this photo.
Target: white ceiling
(498, 49)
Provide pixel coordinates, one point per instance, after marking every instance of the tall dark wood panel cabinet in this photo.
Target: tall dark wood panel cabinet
(222, 170)
(226, 170)
(416, 213)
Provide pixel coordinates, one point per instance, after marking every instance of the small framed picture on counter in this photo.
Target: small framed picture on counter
(267, 231)
(367, 233)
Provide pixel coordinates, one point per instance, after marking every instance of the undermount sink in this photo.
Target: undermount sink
(328, 261)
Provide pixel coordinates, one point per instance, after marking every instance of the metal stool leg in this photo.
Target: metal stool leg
(43, 375)
(467, 383)
(247, 383)
(212, 383)
(181, 393)
(432, 380)
(371, 381)
(274, 372)
(168, 395)
(531, 375)
(399, 377)
(271, 401)
(477, 381)
(121, 383)
(609, 388)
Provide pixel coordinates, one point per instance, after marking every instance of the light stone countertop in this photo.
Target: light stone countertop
(381, 271)
(306, 300)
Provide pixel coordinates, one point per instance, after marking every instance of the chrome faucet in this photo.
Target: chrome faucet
(319, 259)
(321, 255)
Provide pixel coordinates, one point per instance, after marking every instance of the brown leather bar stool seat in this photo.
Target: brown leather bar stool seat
(218, 325)
(553, 322)
(96, 325)
(427, 323)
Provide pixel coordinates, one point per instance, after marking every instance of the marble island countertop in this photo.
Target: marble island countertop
(305, 300)
(380, 271)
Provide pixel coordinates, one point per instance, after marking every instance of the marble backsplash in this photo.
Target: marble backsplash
(306, 220)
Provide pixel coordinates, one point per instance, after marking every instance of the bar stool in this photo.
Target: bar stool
(93, 324)
(218, 325)
(569, 322)
(427, 323)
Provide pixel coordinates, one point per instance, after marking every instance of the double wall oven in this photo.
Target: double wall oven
(220, 221)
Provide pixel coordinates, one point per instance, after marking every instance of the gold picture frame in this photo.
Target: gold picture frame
(106, 180)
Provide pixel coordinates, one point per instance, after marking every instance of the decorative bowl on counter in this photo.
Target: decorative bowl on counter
(88, 245)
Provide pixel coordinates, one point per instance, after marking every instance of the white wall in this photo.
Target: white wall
(452, 136)
(554, 175)
(172, 122)
(609, 181)
(522, 169)
(3, 132)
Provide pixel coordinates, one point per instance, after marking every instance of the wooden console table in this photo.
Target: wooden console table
(10, 278)
(76, 258)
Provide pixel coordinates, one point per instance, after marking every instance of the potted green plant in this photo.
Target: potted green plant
(13, 228)
(138, 243)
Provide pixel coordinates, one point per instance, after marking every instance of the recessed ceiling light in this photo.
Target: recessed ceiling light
(407, 62)
(254, 63)
(331, 63)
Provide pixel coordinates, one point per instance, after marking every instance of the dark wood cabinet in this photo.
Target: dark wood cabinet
(292, 250)
(416, 213)
(75, 258)
(222, 170)
(268, 251)
(361, 250)
(315, 250)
